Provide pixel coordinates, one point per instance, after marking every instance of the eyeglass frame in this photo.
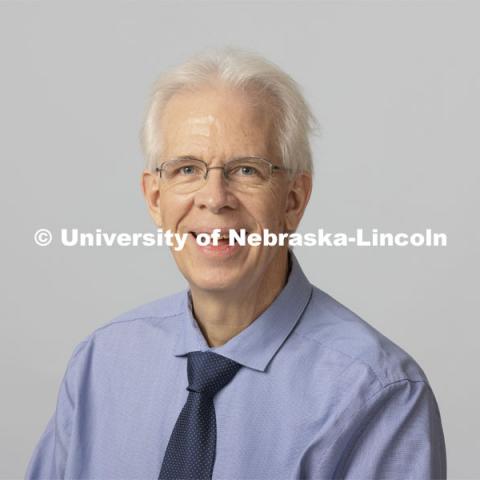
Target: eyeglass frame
(207, 168)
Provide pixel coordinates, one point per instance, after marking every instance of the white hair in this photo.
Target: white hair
(246, 71)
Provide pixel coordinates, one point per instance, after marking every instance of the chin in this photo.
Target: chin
(214, 282)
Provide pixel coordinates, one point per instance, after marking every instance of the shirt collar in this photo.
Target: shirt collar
(256, 345)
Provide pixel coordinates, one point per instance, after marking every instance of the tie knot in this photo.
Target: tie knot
(209, 372)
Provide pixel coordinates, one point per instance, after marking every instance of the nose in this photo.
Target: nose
(215, 194)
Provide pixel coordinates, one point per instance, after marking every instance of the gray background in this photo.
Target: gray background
(395, 86)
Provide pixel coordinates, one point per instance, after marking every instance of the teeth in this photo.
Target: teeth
(223, 236)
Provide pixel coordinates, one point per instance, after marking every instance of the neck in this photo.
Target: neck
(221, 315)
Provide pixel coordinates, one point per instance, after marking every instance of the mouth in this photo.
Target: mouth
(225, 234)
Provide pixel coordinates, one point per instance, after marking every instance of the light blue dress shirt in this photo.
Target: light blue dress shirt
(321, 395)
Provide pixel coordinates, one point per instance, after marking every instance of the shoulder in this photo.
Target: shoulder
(163, 308)
(151, 324)
(351, 341)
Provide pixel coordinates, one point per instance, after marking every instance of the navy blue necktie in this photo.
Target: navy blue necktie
(191, 449)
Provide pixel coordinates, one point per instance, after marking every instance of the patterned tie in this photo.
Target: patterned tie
(191, 449)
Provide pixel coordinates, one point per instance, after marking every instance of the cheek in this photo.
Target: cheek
(173, 209)
(268, 210)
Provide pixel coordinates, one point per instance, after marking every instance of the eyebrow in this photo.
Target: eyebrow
(237, 157)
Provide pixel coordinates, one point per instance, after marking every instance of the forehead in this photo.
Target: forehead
(216, 122)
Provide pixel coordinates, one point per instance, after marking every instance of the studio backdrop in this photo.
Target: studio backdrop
(395, 89)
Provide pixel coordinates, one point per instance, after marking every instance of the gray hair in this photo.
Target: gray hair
(292, 117)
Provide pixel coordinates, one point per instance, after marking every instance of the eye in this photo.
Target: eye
(187, 170)
(245, 171)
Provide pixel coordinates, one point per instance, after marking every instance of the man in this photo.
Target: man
(251, 373)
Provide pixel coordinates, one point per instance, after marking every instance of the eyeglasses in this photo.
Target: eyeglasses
(187, 174)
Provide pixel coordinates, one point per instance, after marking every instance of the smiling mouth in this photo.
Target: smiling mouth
(224, 233)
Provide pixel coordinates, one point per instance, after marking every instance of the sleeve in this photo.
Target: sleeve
(400, 437)
(49, 458)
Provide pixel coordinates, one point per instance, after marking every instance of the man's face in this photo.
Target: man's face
(217, 125)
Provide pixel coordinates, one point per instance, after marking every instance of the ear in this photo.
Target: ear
(300, 188)
(151, 191)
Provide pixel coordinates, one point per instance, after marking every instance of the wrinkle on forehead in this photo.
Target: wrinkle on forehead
(216, 123)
